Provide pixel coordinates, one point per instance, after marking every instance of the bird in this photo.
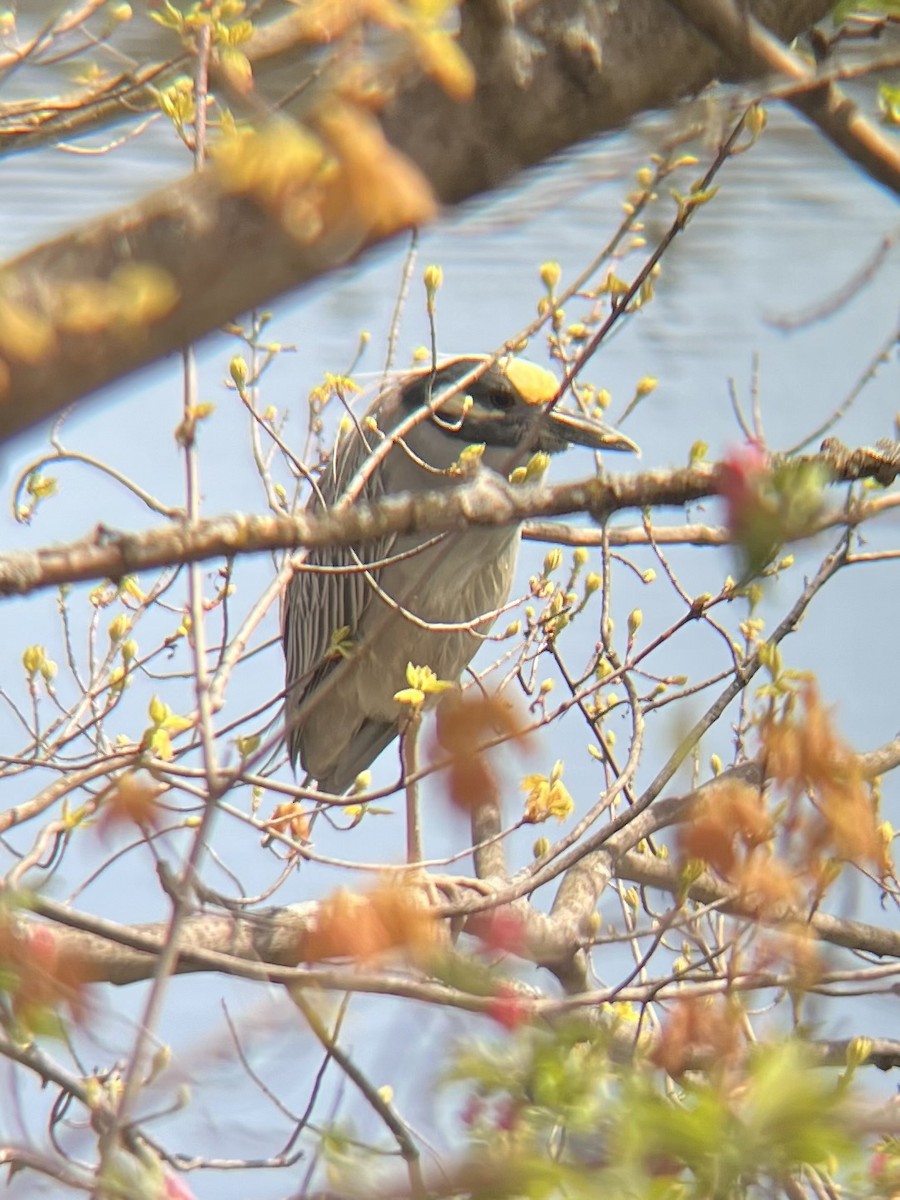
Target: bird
(350, 633)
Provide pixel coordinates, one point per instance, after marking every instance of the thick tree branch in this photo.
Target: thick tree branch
(485, 500)
(753, 50)
(268, 944)
(538, 91)
(837, 931)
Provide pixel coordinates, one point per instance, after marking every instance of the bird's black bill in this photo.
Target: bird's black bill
(583, 431)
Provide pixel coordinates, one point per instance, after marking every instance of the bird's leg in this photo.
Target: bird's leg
(409, 741)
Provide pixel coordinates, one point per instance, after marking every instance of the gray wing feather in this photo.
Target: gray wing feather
(318, 603)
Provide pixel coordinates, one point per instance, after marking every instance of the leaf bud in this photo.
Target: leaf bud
(552, 560)
(239, 372)
(551, 273)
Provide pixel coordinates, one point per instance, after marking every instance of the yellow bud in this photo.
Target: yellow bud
(757, 120)
(699, 451)
(644, 177)
(158, 711)
(577, 332)
(540, 847)
(649, 575)
(858, 1051)
(160, 744)
(32, 657)
(363, 781)
(121, 12)
(160, 1062)
(551, 273)
(645, 386)
(239, 371)
(580, 556)
(513, 629)
(547, 687)
(592, 583)
(603, 398)
(129, 587)
(471, 455)
(715, 764)
(537, 467)
(129, 650)
(118, 627)
(635, 620)
(433, 277)
(552, 560)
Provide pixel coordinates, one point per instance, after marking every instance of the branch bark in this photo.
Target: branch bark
(540, 88)
(753, 50)
(485, 500)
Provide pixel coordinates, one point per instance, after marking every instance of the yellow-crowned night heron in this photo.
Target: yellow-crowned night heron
(340, 708)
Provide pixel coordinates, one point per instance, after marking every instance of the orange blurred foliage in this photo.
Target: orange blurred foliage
(291, 819)
(830, 815)
(727, 822)
(804, 754)
(368, 927)
(699, 1030)
(132, 800)
(465, 725)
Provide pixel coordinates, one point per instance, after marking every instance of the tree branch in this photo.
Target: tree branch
(485, 500)
(753, 50)
(538, 91)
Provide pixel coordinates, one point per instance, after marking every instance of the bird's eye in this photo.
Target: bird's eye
(502, 401)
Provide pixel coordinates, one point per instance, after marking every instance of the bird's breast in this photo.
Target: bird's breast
(462, 579)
